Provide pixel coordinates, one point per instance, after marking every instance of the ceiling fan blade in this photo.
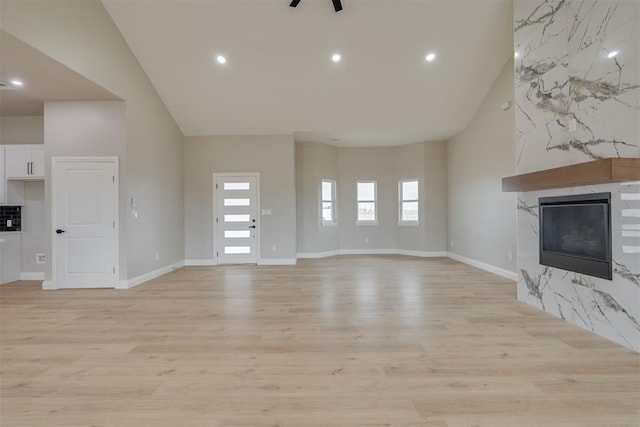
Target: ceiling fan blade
(337, 5)
(294, 3)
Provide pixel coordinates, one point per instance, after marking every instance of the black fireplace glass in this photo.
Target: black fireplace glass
(575, 233)
(576, 230)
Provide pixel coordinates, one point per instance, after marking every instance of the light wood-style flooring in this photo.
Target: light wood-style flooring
(344, 341)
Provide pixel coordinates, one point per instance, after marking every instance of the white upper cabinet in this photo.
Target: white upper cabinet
(24, 161)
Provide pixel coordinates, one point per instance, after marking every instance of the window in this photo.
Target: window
(408, 202)
(328, 202)
(367, 202)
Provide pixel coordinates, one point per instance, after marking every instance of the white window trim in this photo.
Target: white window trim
(375, 202)
(401, 222)
(334, 202)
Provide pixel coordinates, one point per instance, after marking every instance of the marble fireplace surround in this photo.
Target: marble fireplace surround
(577, 101)
(606, 307)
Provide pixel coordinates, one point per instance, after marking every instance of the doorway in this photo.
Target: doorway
(84, 207)
(236, 225)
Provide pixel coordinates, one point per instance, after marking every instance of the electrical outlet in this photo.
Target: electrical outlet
(366, 240)
(41, 258)
(9, 223)
(510, 257)
(451, 243)
(274, 248)
(157, 257)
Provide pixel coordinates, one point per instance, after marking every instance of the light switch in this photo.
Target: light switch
(266, 211)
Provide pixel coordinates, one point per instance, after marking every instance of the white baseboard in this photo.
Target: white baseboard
(261, 261)
(277, 261)
(422, 254)
(484, 266)
(31, 276)
(49, 285)
(52, 285)
(367, 251)
(318, 254)
(197, 262)
(130, 283)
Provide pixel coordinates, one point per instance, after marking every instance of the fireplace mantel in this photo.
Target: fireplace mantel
(613, 169)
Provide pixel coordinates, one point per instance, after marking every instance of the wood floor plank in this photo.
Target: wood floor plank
(344, 341)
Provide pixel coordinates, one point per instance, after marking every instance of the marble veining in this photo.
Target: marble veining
(577, 96)
(588, 147)
(624, 272)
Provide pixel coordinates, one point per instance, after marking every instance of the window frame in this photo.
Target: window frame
(333, 201)
(402, 201)
(374, 201)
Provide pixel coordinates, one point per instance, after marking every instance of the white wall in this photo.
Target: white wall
(481, 218)
(87, 129)
(21, 130)
(273, 157)
(387, 166)
(367, 164)
(82, 36)
(435, 196)
(425, 162)
(314, 162)
(409, 163)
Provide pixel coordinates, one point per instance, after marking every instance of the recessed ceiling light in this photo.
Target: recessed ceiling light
(430, 57)
(336, 57)
(612, 54)
(17, 83)
(221, 59)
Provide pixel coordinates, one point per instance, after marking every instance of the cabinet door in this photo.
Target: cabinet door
(17, 162)
(3, 243)
(10, 257)
(3, 180)
(37, 163)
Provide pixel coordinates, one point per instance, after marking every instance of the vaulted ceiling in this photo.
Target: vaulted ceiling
(279, 77)
(47, 80)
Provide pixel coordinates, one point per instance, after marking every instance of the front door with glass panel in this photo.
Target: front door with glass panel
(236, 219)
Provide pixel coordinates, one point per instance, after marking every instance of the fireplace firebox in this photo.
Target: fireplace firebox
(575, 233)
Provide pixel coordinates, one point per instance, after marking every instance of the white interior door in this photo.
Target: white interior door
(236, 219)
(85, 208)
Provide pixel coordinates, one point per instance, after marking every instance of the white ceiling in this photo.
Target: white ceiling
(279, 78)
(44, 80)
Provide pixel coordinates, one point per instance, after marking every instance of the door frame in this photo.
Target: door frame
(255, 175)
(53, 283)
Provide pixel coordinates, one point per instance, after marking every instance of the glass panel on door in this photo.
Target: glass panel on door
(237, 186)
(237, 234)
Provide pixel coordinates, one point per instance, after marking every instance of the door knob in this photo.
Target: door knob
(252, 226)
(59, 231)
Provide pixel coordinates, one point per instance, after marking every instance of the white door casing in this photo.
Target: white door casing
(236, 220)
(85, 222)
